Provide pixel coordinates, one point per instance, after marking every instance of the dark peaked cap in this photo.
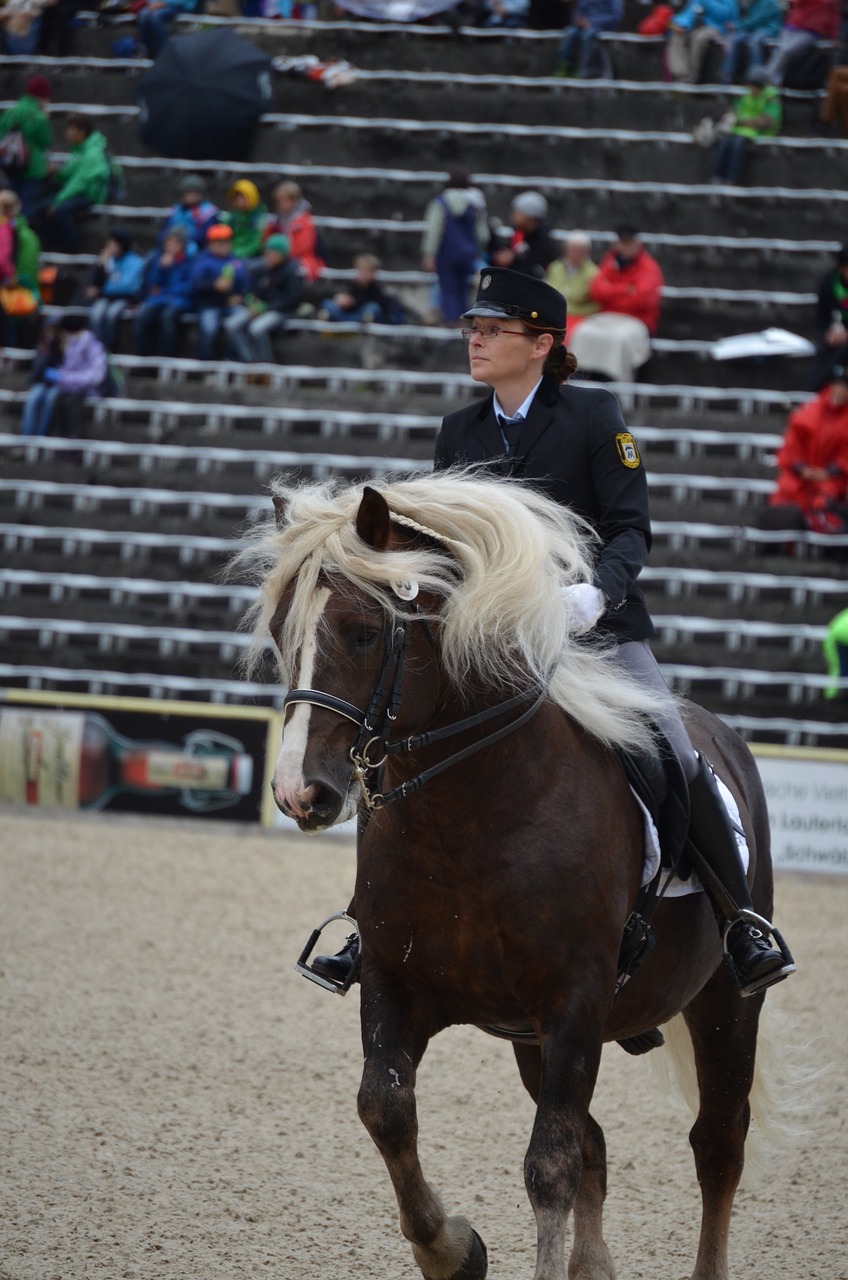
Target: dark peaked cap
(507, 294)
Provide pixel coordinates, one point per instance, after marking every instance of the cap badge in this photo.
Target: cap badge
(485, 282)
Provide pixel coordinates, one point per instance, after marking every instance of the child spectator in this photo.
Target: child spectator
(218, 283)
(744, 46)
(59, 389)
(291, 216)
(155, 19)
(81, 182)
(166, 295)
(26, 131)
(19, 253)
(363, 299)
(456, 235)
(813, 464)
(692, 31)
(115, 282)
(757, 115)
(572, 274)
(580, 38)
(831, 322)
(275, 292)
(617, 340)
(531, 248)
(192, 212)
(247, 216)
(20, 25)
(807, 22)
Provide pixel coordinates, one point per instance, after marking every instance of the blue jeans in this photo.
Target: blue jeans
(105, 315)
(743, 51)
(209, 321)
(39, 409)
(156, 313)
(576, 49)
(250, 335)
(60, 226)
(154, 29)
(730, 157)
(370, 311)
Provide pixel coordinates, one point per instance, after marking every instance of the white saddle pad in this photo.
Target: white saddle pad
(678, 888)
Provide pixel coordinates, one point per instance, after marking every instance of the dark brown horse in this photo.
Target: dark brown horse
(438, 686)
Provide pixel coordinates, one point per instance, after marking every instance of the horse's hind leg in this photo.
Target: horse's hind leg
(590, 1258)
(444, 1248)
(723, 1028)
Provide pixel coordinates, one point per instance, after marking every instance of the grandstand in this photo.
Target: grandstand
(114, 545)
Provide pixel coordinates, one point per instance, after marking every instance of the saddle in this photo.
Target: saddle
(660, 783)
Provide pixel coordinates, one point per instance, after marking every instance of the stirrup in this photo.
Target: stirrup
(303, 966)
(769, 931)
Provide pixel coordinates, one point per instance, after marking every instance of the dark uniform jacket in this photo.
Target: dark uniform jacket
(574, 446)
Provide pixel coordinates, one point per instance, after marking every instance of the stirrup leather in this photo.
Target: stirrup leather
(303, 966)
(769, 931)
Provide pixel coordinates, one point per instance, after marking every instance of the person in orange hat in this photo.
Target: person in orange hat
(218, 283)
(247, 215)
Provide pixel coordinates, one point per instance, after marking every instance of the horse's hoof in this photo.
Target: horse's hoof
(475, 1265)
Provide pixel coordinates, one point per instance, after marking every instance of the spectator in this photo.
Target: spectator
(757, 115)
(218, 283)
(744, 46)
(505, 13)
(247, 216)
(81, 182)
(155, 19)
(580, 38)
(363, 299)
(166, 294)
(531, 248)
(114, 283)
(275, 292)
(835, 646)
(291, 216)
(812, 482)
(807, 22)
(456, 235)
(19, 253)
(26, 131)
(831, 322)
(60, 388)
(193, 212)
(20, 25)
(572, 274)
(617, 341)
(835, 105)
(692, 31)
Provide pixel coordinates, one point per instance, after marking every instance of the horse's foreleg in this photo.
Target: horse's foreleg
(444, 1248)
(554, 1160)
(724, 1035)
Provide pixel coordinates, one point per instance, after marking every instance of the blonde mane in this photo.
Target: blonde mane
(495, 552)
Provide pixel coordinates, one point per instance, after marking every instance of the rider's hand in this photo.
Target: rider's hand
(585, 605)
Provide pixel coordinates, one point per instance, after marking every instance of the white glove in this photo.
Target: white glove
(585, 605)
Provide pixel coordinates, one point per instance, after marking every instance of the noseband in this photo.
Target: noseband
(383, 708)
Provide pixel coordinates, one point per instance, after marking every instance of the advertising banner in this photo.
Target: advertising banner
(807, 795)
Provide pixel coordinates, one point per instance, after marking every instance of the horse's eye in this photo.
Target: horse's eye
(364, 640)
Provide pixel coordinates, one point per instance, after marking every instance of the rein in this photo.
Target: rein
(387, 694)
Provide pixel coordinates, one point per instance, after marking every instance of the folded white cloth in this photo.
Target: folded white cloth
(585, 606)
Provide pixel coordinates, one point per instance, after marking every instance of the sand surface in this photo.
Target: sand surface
(178, 1103)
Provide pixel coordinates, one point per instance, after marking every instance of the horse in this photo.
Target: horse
(437, 690)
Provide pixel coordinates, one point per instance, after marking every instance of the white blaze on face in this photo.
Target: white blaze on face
(288, 775)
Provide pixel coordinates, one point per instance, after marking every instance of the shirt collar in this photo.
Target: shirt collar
(523, 408)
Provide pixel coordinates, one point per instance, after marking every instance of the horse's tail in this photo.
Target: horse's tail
(783, 1094)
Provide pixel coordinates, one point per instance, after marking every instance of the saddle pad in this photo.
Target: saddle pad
(679, 888)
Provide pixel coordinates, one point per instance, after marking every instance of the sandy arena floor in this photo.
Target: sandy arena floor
(178, 1104)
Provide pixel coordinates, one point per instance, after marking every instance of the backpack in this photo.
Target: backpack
(14, 153)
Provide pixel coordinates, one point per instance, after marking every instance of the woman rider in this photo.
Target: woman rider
(572, 442)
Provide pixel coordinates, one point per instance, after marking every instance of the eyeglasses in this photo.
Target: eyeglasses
(494, 332)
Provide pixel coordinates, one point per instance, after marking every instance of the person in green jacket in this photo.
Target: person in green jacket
(247, 217)
(26, 249)
(758, 114)
(29, 118)
(82, 182)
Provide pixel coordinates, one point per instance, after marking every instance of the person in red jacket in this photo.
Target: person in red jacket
(291, 217)
(628, 288)
(807, 21)
(812, 483)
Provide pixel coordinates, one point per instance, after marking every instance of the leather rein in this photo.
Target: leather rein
(375, 724)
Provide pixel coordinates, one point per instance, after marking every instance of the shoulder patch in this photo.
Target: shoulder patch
(627, 449)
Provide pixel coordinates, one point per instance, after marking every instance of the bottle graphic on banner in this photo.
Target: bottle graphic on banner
(76, 760)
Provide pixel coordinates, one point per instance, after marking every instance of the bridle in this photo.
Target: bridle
(383, 708)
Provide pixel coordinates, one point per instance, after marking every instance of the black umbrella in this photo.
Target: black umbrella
(203, 95)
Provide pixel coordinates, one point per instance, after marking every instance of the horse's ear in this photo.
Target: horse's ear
(280, 508)
(374, 519)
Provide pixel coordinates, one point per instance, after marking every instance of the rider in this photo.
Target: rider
(572, 442)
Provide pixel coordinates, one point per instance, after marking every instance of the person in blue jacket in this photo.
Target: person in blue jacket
(155, 19)
(115, 283)
(744, 47)
(692, 31)
(218, 284)
(580, 38)
(167, 294)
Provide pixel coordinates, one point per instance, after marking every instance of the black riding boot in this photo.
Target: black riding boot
(340, 968)
(754, 963)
